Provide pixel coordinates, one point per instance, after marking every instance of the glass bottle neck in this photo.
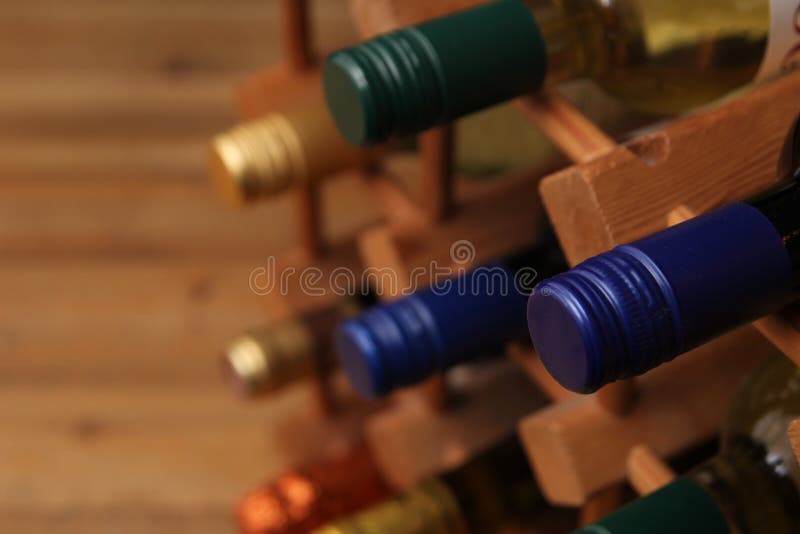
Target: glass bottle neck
(782, 208)
(752, 488)
(564, 35)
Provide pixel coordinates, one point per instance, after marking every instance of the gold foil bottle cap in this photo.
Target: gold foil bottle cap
(429, 508)
(255, 159)
(265, 359)
(267, 156)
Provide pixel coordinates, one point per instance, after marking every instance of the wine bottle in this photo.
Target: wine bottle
(267, 156)
(491, 489)
(626, 311)
(470, 316)
(654, 55)
(751, 487)
(265, 359)
(303, 499)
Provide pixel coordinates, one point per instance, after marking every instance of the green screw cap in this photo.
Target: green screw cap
(682, 506)
(409, 80)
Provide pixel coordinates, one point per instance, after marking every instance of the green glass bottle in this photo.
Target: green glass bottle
(655, 55)
(751, 487)
(491, 490)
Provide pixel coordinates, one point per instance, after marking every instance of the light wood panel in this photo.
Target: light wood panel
(703, 161)
(171, 217)
(120, 274)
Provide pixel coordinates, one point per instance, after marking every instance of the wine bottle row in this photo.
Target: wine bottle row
(751, 486)
(615, 316)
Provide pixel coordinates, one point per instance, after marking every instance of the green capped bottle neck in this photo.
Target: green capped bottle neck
(682, 506)
(414, 78)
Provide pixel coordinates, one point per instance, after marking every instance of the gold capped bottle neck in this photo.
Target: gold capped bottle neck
(429, 508)
(257, 159)
(263, 360)
(265, 157)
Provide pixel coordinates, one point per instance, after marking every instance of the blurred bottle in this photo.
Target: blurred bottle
(654, 55)
(632, 308)
(751, 487)
(494, 489)
(470, 316)
(263, 360)
(299, 501)
(267, 156)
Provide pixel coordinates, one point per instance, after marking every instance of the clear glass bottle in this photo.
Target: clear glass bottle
(751, 487)
(655, 55)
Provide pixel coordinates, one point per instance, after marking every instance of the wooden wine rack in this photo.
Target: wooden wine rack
(581, 447)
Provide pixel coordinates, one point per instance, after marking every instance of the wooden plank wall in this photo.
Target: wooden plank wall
(120, 275)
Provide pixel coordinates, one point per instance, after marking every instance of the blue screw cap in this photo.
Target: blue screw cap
(611, 317)
(626, 311)
(403, 342)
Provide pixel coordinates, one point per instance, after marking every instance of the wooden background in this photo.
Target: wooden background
(120, 275)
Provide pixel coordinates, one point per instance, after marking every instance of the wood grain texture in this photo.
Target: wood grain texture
(725, 154)
(577, 447)
(121, 276)
(133, 85)
(170, 217)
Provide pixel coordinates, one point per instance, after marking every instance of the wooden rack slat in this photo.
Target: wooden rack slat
(721, 155)
(436, 174)
(577, 447)
(296, 34)
(410, 440)
(569, 129)
(647, 472)
(783, 330)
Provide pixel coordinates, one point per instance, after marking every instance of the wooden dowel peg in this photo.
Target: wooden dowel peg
(527, 360)
(569, 129)
(436, 174)
(401, 212)
(618, 397)
(296, 34)
(436, 392)
(781, 331)
(602, 503)
(309, 224)
(794, 436)
(647, 472)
